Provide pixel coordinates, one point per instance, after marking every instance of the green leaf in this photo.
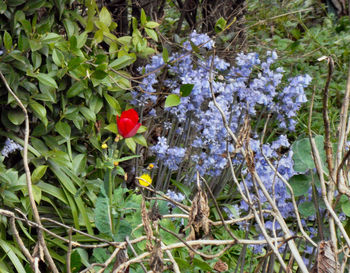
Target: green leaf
(16, 116)
(46, 80)
(172, 100)
(165, 55)
(140, 139)
(39, 111)
(76, 89)
(57, 57)
(63, 129)
(124, 229)
(38, 173)
(151, 33)
(123, 61)
(105, 16)
(79, 163)
(112, 128)
(37, 194)
(143, 17)
(152, 24)
(202, 265)
(69, 26)
(88, 113)
(131, 144)
(102, 215)
(7, 41)
(220, 25)
(186, 89)
(307, 208)
(113, 103)
(142, 129)
(302, 155)
(345, 206)
(10, 253)
(300, 184)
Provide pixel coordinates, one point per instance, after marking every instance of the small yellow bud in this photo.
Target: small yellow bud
(117, 138)
(150, 166)
(145, 180)
(115, 163)
(104, 146)
(125, 176)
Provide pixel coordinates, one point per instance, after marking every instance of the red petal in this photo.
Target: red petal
(133, 131)
(125, 125)
(130, 114)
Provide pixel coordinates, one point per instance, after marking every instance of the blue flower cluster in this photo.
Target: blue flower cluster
(170, 156)
(250, 86)
(10, 147)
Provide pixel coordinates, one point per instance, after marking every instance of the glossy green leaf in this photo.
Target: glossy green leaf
(76, 89)
(46, 80)
(16, 116)
(7, 41)
(57, 57)
(63, 129)
(143, 17)
(39, 110)
(186, 89)
(113, 103)
(88, 113)
(172, 100)
(345, 206)
(38, 173)
(123, 61)
(79, 163)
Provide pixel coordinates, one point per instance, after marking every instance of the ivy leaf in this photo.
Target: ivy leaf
(172, 100)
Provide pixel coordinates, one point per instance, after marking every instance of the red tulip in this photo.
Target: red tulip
(128, 123)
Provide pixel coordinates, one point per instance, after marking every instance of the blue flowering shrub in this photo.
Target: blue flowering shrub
(194, 130)
(194, 137)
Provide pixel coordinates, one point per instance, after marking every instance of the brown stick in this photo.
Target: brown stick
(29, 178)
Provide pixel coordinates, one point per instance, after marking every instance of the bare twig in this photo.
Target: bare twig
(29, 178)
(69, 252)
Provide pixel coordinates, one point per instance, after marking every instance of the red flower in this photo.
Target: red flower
(128, 123)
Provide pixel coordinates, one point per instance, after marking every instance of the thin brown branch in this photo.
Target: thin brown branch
(29, 178)
(327, 141)
(69, 252)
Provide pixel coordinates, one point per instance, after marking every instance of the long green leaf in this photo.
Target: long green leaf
(8, 249)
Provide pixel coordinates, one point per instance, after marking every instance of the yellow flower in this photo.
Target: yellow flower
(145, 180)
(115, 163)
(104, 146)
(150, 166)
